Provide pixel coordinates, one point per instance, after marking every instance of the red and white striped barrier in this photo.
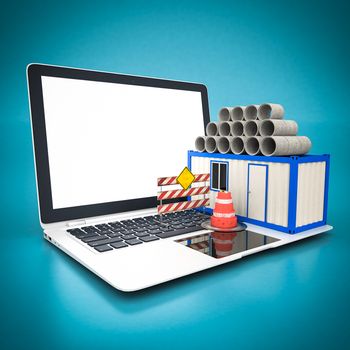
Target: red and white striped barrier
(179, 193)
(165, 181)
(183, 193)
(201, 178)
(166, 208)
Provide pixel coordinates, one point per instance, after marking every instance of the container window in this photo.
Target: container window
(223, 176)
(215, 175)
(219, 176)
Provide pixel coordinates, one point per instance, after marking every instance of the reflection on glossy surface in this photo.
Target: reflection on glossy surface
(219, 245)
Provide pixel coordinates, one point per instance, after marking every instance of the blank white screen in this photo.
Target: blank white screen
(109, 142)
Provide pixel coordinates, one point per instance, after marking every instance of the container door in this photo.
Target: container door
(257, 191)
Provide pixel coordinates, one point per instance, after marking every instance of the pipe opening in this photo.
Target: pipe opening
(223, 145)
(251, 112)
(210, 145)
(237, 145)
(224, 129)
(265, 111)
(237, 128)
(252, 146)
(212, 129)
(251, 128)
(224, 114)
(237, 113)
(268, 146)
(200, 144)
(267, 128)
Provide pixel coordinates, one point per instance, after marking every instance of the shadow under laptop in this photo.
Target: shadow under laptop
(236, 278)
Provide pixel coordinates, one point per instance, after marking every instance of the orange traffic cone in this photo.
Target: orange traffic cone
(224, 214)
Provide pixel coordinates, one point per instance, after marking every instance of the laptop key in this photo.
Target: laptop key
(115, 225)
(177, 226)
(167, 229)
(93, 238)
(139, 229)
(175, 222)
(128, 237)
(142, 224)
(105, 230)
(119, 245)
(113, 234)
(115, 230)
(104, 241)
(103, 248)
(141, 234)
(191, 224)
(102, 227)
(89, 228)
(87, 235)
(127, 222)
(128, 232)
(76, 232)
(138, 220)
(179, 232)
(154, 232)
(149, 238)
(133, 241)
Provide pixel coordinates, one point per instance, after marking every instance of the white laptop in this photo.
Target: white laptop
(101, 140)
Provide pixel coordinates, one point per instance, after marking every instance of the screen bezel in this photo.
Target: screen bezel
(34, 74)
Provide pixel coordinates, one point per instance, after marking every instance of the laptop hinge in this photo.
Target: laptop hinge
(76, 223)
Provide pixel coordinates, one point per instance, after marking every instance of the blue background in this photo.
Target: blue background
(246, 52)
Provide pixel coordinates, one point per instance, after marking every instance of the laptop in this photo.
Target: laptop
(101, 140)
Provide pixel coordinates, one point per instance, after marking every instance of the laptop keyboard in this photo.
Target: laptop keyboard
(126, 233)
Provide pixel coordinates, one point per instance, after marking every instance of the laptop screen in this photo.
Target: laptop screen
(109, 141)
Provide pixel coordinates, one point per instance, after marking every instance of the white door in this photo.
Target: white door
(257, 192)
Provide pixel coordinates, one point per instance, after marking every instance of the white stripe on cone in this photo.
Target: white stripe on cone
(223, 215)
(223, 201)
(222, 241)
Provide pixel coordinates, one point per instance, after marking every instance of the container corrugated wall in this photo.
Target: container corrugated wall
(278, 186)
(278, 194)
(310, 199)
(238, 175)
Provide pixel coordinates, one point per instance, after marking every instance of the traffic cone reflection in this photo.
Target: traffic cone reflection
(223, 243)
(223, 217)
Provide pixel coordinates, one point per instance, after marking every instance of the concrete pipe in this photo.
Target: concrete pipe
(225, 114)
(237, 128)
(270, 111)
(211, 144)
(285, 145)
(237, 144)
(252, 145)
(224, 144)
(275, 127)
(237, 113)
(212, 129)
(199, 144)
(251, 112)
(225, 128)
(251, 128)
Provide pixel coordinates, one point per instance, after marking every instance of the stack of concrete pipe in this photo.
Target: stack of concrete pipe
(254, 129)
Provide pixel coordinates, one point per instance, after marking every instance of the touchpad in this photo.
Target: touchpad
(219, 244)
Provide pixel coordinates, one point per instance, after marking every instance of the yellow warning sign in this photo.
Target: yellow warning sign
(185, 178)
